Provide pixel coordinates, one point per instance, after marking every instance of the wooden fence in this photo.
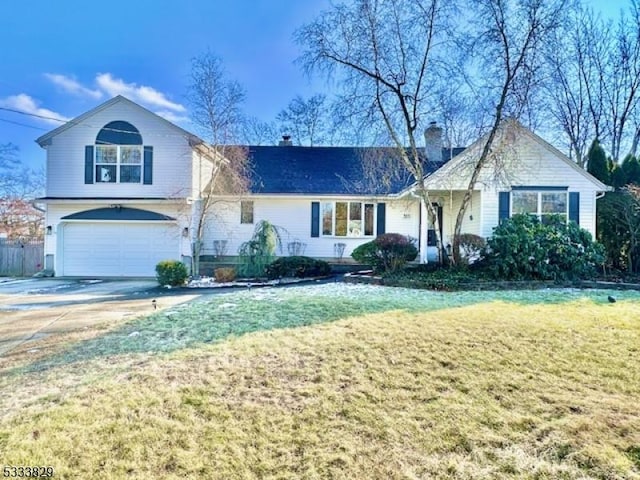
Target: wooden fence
(21, 258)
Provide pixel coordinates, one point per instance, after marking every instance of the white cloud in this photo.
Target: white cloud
(138, 93)
(172, 116)
(25, 103)
(71, 85)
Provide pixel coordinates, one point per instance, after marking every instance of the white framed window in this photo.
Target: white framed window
(348, 219)
(542, 204)
(118, 163)
(246, 211)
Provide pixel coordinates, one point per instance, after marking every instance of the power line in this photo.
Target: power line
(22, 124)
(33, 114)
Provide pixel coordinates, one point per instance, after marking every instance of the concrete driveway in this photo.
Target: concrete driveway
(38, 316)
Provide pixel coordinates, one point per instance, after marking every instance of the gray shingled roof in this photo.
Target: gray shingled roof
(323, 170)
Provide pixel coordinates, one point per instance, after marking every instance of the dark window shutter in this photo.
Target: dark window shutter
(148, 166)
(504, 206)
(88, 164)
(315, 219)
(574, 207)
(381, 222)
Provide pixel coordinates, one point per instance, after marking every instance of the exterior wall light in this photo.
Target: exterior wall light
(185, 232)
(49, 230)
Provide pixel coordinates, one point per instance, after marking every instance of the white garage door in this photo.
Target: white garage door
(117, 249)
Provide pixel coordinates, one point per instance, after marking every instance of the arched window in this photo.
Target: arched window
(118, 154)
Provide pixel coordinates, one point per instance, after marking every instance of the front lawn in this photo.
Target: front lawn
(342, 381)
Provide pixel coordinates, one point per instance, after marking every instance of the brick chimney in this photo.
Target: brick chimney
(433, 143)
(286, 141)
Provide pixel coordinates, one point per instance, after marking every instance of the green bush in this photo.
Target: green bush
(367, 253)
(297, 266)
(387, 253)
(523, 248)
(171, 272)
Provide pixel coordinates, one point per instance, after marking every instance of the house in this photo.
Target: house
(123, 189)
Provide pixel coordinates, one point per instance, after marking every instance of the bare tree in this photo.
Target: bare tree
(216, 105)
(257, 132)
(506, 43)
(307, 120)
(383, 55)
(464, 119)
(215, 101)
(16, 180)
(622, 79)
(593, 81)
(388, 54)
(572, 87)
(19, 186)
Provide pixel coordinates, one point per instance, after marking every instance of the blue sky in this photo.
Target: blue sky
(61, 58)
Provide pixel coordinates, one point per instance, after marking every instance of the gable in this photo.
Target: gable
(119, 149)
(46, 139)
(519, 158)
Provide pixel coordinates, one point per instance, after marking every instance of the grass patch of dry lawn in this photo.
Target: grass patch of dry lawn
(493, 389)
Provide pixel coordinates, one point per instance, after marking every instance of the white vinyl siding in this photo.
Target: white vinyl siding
(172, 157)
(294, 216)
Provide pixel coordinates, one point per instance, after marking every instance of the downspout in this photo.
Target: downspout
(35, 205)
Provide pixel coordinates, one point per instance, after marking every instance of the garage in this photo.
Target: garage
(117, 250)
(107, 248)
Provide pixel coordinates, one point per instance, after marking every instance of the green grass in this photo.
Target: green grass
(239, 313)
(526, 385)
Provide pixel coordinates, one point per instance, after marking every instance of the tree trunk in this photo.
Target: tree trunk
(634, 145)
(455, 245)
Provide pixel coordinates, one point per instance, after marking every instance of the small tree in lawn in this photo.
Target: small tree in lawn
(506, 42)
(216, 111)
(260, 251)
